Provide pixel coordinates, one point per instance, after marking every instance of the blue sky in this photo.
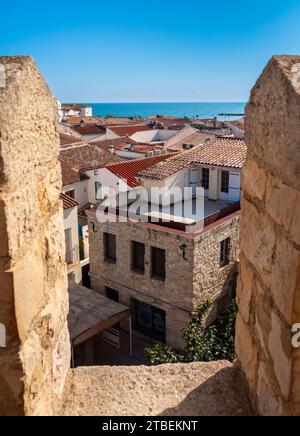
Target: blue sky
(128, 51)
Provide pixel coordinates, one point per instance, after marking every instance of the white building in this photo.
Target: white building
(72, 255)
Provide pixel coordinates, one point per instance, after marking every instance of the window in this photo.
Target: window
(98, 191)
(150, 320)
(71, 193)
(205, 178)
(112, 294)
(138, 256)
(110, 247)
(225, 182)
(224, 252)
(158, 260)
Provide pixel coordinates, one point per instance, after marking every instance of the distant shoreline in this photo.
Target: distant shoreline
(180, 109)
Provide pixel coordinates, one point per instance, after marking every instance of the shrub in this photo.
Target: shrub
(202, 345)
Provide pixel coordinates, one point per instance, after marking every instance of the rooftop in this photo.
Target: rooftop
(71, 175)
(127, 170)
(88, 157)
(188, 135)
(68, 139)
(224, 152)
(68, 202)
(89, 129)
(128, 130)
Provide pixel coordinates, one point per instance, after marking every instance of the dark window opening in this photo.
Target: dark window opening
(112, 294)
(71, 193)
(225, 182)
(150, 320)
(224, 252)
(98, 191)
(138, 257)
(205, 178)
(158, 260)
(110, 247)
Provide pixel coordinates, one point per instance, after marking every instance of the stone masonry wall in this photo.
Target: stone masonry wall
(33, 280)
(269, 279)
(188, 281)
(209, 279)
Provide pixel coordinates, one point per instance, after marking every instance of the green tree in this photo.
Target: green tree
(215, 342)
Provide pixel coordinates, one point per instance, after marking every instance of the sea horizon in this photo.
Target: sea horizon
(176, 109)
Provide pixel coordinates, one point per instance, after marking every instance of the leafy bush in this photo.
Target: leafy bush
(202, 345)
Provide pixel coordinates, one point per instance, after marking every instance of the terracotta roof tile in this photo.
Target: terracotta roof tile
(89, 129)
(68, 139)
(128, 170)
(71, 175)
(87, 157)
(225, 152)
(128, 130)
(68, 202)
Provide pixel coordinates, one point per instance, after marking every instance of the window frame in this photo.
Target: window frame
(205, 178)
(224, 252)
(154, 274)
(142, 327)
(107, 258)
(225, 190)
(97, 189)
(134, 267)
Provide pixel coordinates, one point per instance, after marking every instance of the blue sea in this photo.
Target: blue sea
(201, 110)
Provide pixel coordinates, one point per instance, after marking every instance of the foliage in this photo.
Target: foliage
(159, 355)
(202, 344)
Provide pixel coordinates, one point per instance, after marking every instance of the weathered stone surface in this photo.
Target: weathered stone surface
(33, 295)
(247, 352)
(254, 180)
(257, 239)
(268, 290)
(197, 389)
(281, 204)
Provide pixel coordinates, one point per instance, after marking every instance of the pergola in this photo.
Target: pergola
(91, 313)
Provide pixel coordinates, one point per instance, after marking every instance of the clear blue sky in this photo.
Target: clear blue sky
(128, 51)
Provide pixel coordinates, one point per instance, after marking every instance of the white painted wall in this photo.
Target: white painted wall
(154, 135)
(181, 180)
(110, 134)
(86, 111)
(105, 177)
(81, 192)
(71, 222)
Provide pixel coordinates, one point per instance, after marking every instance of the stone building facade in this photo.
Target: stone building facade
(192, 269)
(269, 279)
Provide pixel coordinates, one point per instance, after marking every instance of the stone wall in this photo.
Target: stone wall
(269, 279)
(191, 276)
(33, 280)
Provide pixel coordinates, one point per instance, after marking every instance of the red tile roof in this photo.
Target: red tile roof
(68, 139)
(128, 130)
(128, 170)
(225, 152)
(68, 202)
(71, 175)
(89, 129)
(88, 157)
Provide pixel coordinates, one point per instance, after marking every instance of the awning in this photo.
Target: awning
(91, 313)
